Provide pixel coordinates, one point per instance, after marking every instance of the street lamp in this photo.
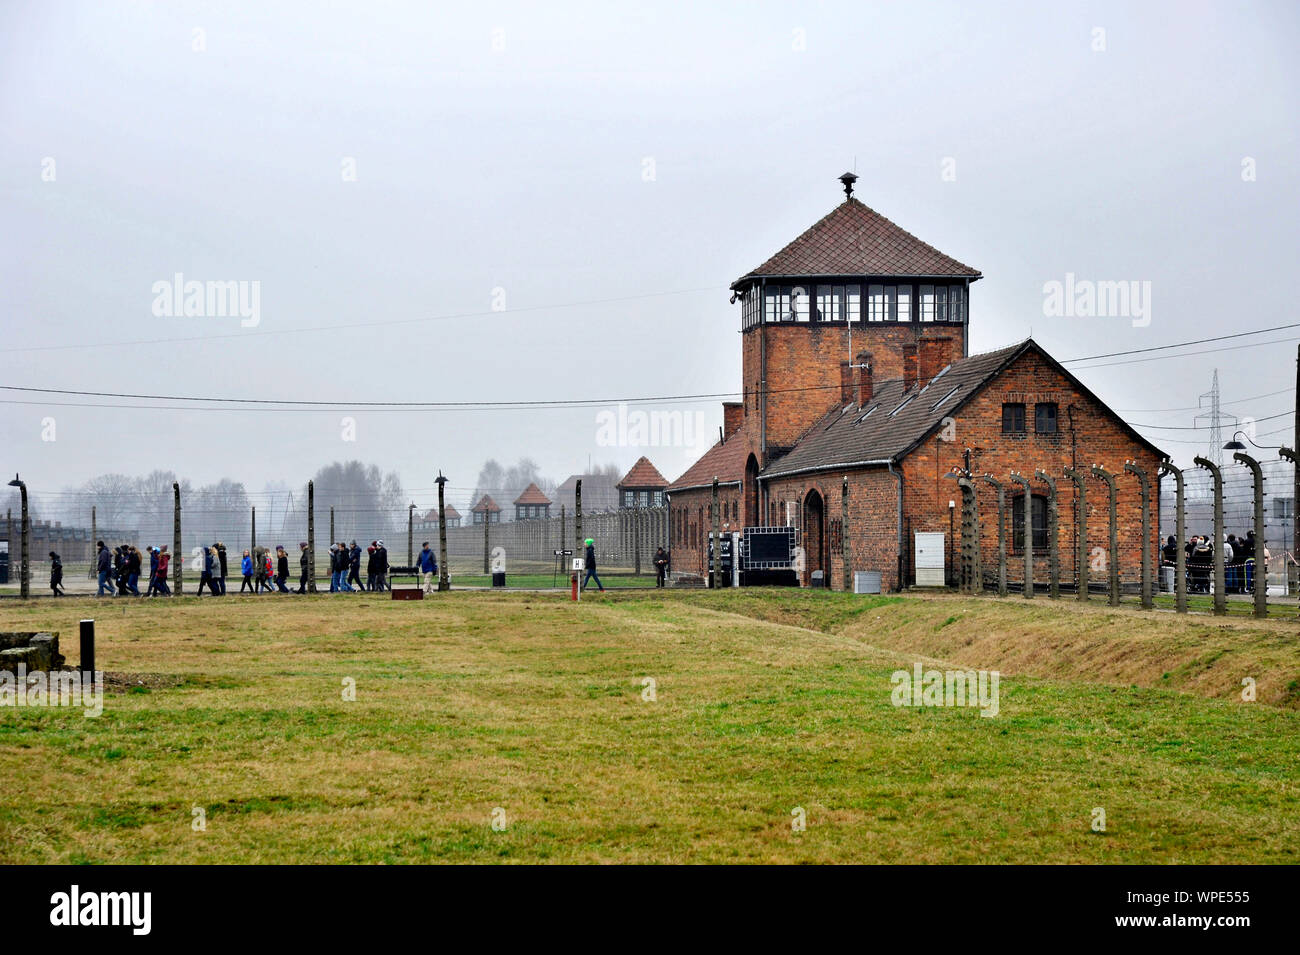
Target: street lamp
(1235, 445)
(26, 585)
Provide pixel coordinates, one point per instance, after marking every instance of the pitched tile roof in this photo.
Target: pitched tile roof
(895, 421)
(532, 495)
(485, 503)
(432, 514)
(451, 512)
(598, 493)
(854, 239)
(643, 475)
(725, 461)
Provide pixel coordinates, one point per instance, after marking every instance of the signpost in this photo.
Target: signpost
(559, 556)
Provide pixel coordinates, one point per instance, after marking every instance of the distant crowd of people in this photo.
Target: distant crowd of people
(1239, 563)
(120, 569)
(263, 571)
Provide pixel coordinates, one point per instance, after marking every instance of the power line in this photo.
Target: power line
(349, 325)
(1199, 341)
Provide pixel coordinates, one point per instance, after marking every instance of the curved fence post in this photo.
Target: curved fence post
(1002, 533)
(970, 537)
(1080, 533)
(1102, 474)
(1180, 535)
(1260, 580)
(1220, 596)
(1145, 486)
(1053, 545)
(1027, 533)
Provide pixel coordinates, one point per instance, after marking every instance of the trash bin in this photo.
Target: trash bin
(498, 578)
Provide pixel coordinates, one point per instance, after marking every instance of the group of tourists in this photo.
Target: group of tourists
(119, 571)
(1239, 562)
(345, 567)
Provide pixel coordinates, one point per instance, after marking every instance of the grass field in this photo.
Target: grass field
(765, 701)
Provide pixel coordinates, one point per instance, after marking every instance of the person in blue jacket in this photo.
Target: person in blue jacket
(246, 568)
(428, 567)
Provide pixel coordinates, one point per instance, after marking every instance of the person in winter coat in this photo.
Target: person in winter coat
(661, 566)
(590, 563)
(281, 569)
(56, 574)
(381, 566)
(222, 565)
(370, 566)
(428, 565)
(303, 562)
(266, 568)
(133, 570)
(153, 572)
(164, 559)
(354, 565)
(104, 565)
(205, 572)
(119, 571)
(343, 558)
(246, 568)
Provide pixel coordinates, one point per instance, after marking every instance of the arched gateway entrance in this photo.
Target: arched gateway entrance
(814, 534)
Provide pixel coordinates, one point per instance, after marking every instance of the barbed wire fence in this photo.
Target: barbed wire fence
(625, 539)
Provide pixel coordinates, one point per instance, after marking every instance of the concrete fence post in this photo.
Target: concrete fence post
(580, 548)
(845, 553)
(1180, 536)
(311, 537)
(1113, 557)
(1027, 533)
(1053, 543)
(1220, 594)
(970, 537)
(1002, 533)
(1080, 532)
(1260, 580)
(1144, 485)
(444, 581)
(178, 559)
(715, 565)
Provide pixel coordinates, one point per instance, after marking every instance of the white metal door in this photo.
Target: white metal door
(929, 559)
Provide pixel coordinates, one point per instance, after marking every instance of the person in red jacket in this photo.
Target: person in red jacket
(160, 585)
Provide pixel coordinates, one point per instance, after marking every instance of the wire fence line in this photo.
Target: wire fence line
(625, 540)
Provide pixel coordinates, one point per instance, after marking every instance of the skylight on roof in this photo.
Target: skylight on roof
(945, 397)
(868, 414)
(906, 401)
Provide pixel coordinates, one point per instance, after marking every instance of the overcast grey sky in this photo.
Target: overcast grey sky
(507, 147)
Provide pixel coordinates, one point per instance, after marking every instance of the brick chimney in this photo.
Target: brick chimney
(863, 388)
(936, 354)
(846, 382)
(733, 416)
(909, 367)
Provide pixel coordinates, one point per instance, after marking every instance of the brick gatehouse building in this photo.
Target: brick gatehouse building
(856, 369)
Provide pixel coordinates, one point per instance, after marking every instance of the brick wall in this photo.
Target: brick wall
(1095, 438)
(804, 361)
(1087, 434)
